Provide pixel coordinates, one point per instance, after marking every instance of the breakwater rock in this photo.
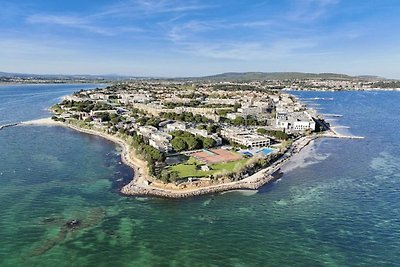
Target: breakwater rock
(134, 190)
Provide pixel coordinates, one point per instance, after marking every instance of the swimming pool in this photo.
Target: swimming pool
(265, 151)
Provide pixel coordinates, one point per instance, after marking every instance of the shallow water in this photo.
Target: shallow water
(335, 206)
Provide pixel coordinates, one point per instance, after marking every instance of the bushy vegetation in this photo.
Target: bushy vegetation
(279, 135)
(85, 106)
(240, 121)
(192, 103)
(186, 141)
(151, 155)
(185, 116)
(210, 128)
(234, 87)
(55, 118)
(261, 131)
(391, 84)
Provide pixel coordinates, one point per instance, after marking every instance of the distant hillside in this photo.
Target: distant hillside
(62, 76)
(262, 76)
(229, 76)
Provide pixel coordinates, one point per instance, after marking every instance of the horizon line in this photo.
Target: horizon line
(194, 76)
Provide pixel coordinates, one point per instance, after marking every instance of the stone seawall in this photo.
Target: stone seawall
(262, 177)
(139, 186)
(134, 190)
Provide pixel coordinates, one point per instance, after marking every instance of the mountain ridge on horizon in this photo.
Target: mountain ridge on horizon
(226, 76)
(287, 76)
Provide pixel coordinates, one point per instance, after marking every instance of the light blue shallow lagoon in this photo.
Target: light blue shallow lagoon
(337, 203)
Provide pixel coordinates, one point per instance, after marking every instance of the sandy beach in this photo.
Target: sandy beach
(42, 122)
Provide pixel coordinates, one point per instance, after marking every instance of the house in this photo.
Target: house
(204, 133)
(204, 168)
(176, 126)
(160, 136)
(147, 131)
(245, 137)
(235, 115)
(161, 145)
(295, 121)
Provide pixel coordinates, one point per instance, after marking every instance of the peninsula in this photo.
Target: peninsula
(192, 138)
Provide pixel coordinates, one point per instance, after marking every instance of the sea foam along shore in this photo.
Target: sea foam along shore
(139, 185)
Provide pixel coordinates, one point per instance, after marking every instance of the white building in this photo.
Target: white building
(252, 110)
(99, 96)
(160, 136)
(235, 115)
(147, 131)
(295, 121)
(162, 146)
(204, 133)
(176, 126)
(222, 101)
(135, 98)
(95, 112)
(245, 138)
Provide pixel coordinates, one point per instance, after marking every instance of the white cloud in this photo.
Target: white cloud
(311, 10)
(248, 51)
(139, 8)
(81, 23)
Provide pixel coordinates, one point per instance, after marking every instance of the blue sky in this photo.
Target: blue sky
(200, 37)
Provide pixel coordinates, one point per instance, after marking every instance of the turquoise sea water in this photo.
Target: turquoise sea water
(336, 205)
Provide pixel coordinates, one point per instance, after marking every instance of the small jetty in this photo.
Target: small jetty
(332, 115)
(347, 136)
(319, 98)
(340, 127)
(331, 133)
(8, 125)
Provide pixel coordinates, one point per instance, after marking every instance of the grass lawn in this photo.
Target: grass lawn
(190, 169)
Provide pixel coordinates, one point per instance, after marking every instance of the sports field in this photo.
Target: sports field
(191, 168)
(213, 156)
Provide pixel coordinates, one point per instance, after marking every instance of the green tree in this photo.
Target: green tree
(237, 106)
(115, 119)
(208, 142)
(179, 144)
(198, 118)
(189, 117)
(223, 112)
(239, 121)
(192, 143)
(205, 120)
(153, 122)
(279, 134)
(212, 128)
(202, 127)
(261, 131)
(173, 176)
(105, 116)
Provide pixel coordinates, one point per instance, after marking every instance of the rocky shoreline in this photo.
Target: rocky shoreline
(134, 190)
(254, 182)
(140, 186)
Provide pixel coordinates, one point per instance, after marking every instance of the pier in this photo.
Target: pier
(331, 133)
(319, 98)
(332, 115)
(340, 127)
(8, 125)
